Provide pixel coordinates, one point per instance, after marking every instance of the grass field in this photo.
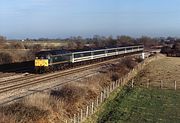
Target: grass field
(141, 105)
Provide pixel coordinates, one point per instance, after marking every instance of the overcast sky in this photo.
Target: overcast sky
(64, 18)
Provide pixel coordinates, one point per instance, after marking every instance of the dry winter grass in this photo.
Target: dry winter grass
(62, 103)
(166, 69)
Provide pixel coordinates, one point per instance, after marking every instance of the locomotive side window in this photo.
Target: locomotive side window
(111, 51)
(99, 52)
(135, 47)
(120, 49)
(82, 54)
(87, 54)
(128, 48)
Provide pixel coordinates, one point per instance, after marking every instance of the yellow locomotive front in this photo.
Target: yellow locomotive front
(41, 65)
(41, 62)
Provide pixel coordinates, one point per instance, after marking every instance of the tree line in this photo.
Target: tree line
(97, 41)
(107, 42)
(172, 49)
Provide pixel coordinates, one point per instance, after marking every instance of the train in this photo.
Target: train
(53, 60)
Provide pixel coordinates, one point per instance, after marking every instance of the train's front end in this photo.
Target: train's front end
(41, 62)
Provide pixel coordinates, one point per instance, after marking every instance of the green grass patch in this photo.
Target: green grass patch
(139, 105)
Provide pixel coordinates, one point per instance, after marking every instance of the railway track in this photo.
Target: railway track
(31, 81)
(33, 91)
(11, 81)
(44, 78)
(20, 79)
(11, 72)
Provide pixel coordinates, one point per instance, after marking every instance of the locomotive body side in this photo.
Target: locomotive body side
(57, 59)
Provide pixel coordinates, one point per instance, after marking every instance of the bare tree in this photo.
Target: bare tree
(5, 58)
(80, 44)
(71, 45)
(124, 40)
(148, 42)
(2, 38)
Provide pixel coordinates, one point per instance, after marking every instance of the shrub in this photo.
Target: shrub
(129, 62)
(29, 113)
(5, 58)
(37, 47)
(114, 76)
(16, 45)
(139, 59)
(69, 93)
(165, 49)
(6, 119)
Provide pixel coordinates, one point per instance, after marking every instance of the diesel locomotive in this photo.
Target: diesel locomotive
(59, 59)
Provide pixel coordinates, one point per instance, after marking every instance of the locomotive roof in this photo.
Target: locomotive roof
(54, 52)
(62, 51)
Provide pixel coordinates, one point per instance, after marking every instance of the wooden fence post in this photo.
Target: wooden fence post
(78, 118)
(148, 83)
(74, 118)
(175, 85)
(161, 84)
(87, 111)
(118, 82)
(92, 108)
(132, 83)
(110, 88)
(97, 101)
(105, 96)
(113, 86)
(71, 120)
(81, 115)
(101, 97)
(107, 91)
(121, 81)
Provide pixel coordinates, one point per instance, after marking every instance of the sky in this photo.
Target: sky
(64, 18)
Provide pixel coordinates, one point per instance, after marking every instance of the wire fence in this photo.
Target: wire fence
(162, 84)
(91, 108)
